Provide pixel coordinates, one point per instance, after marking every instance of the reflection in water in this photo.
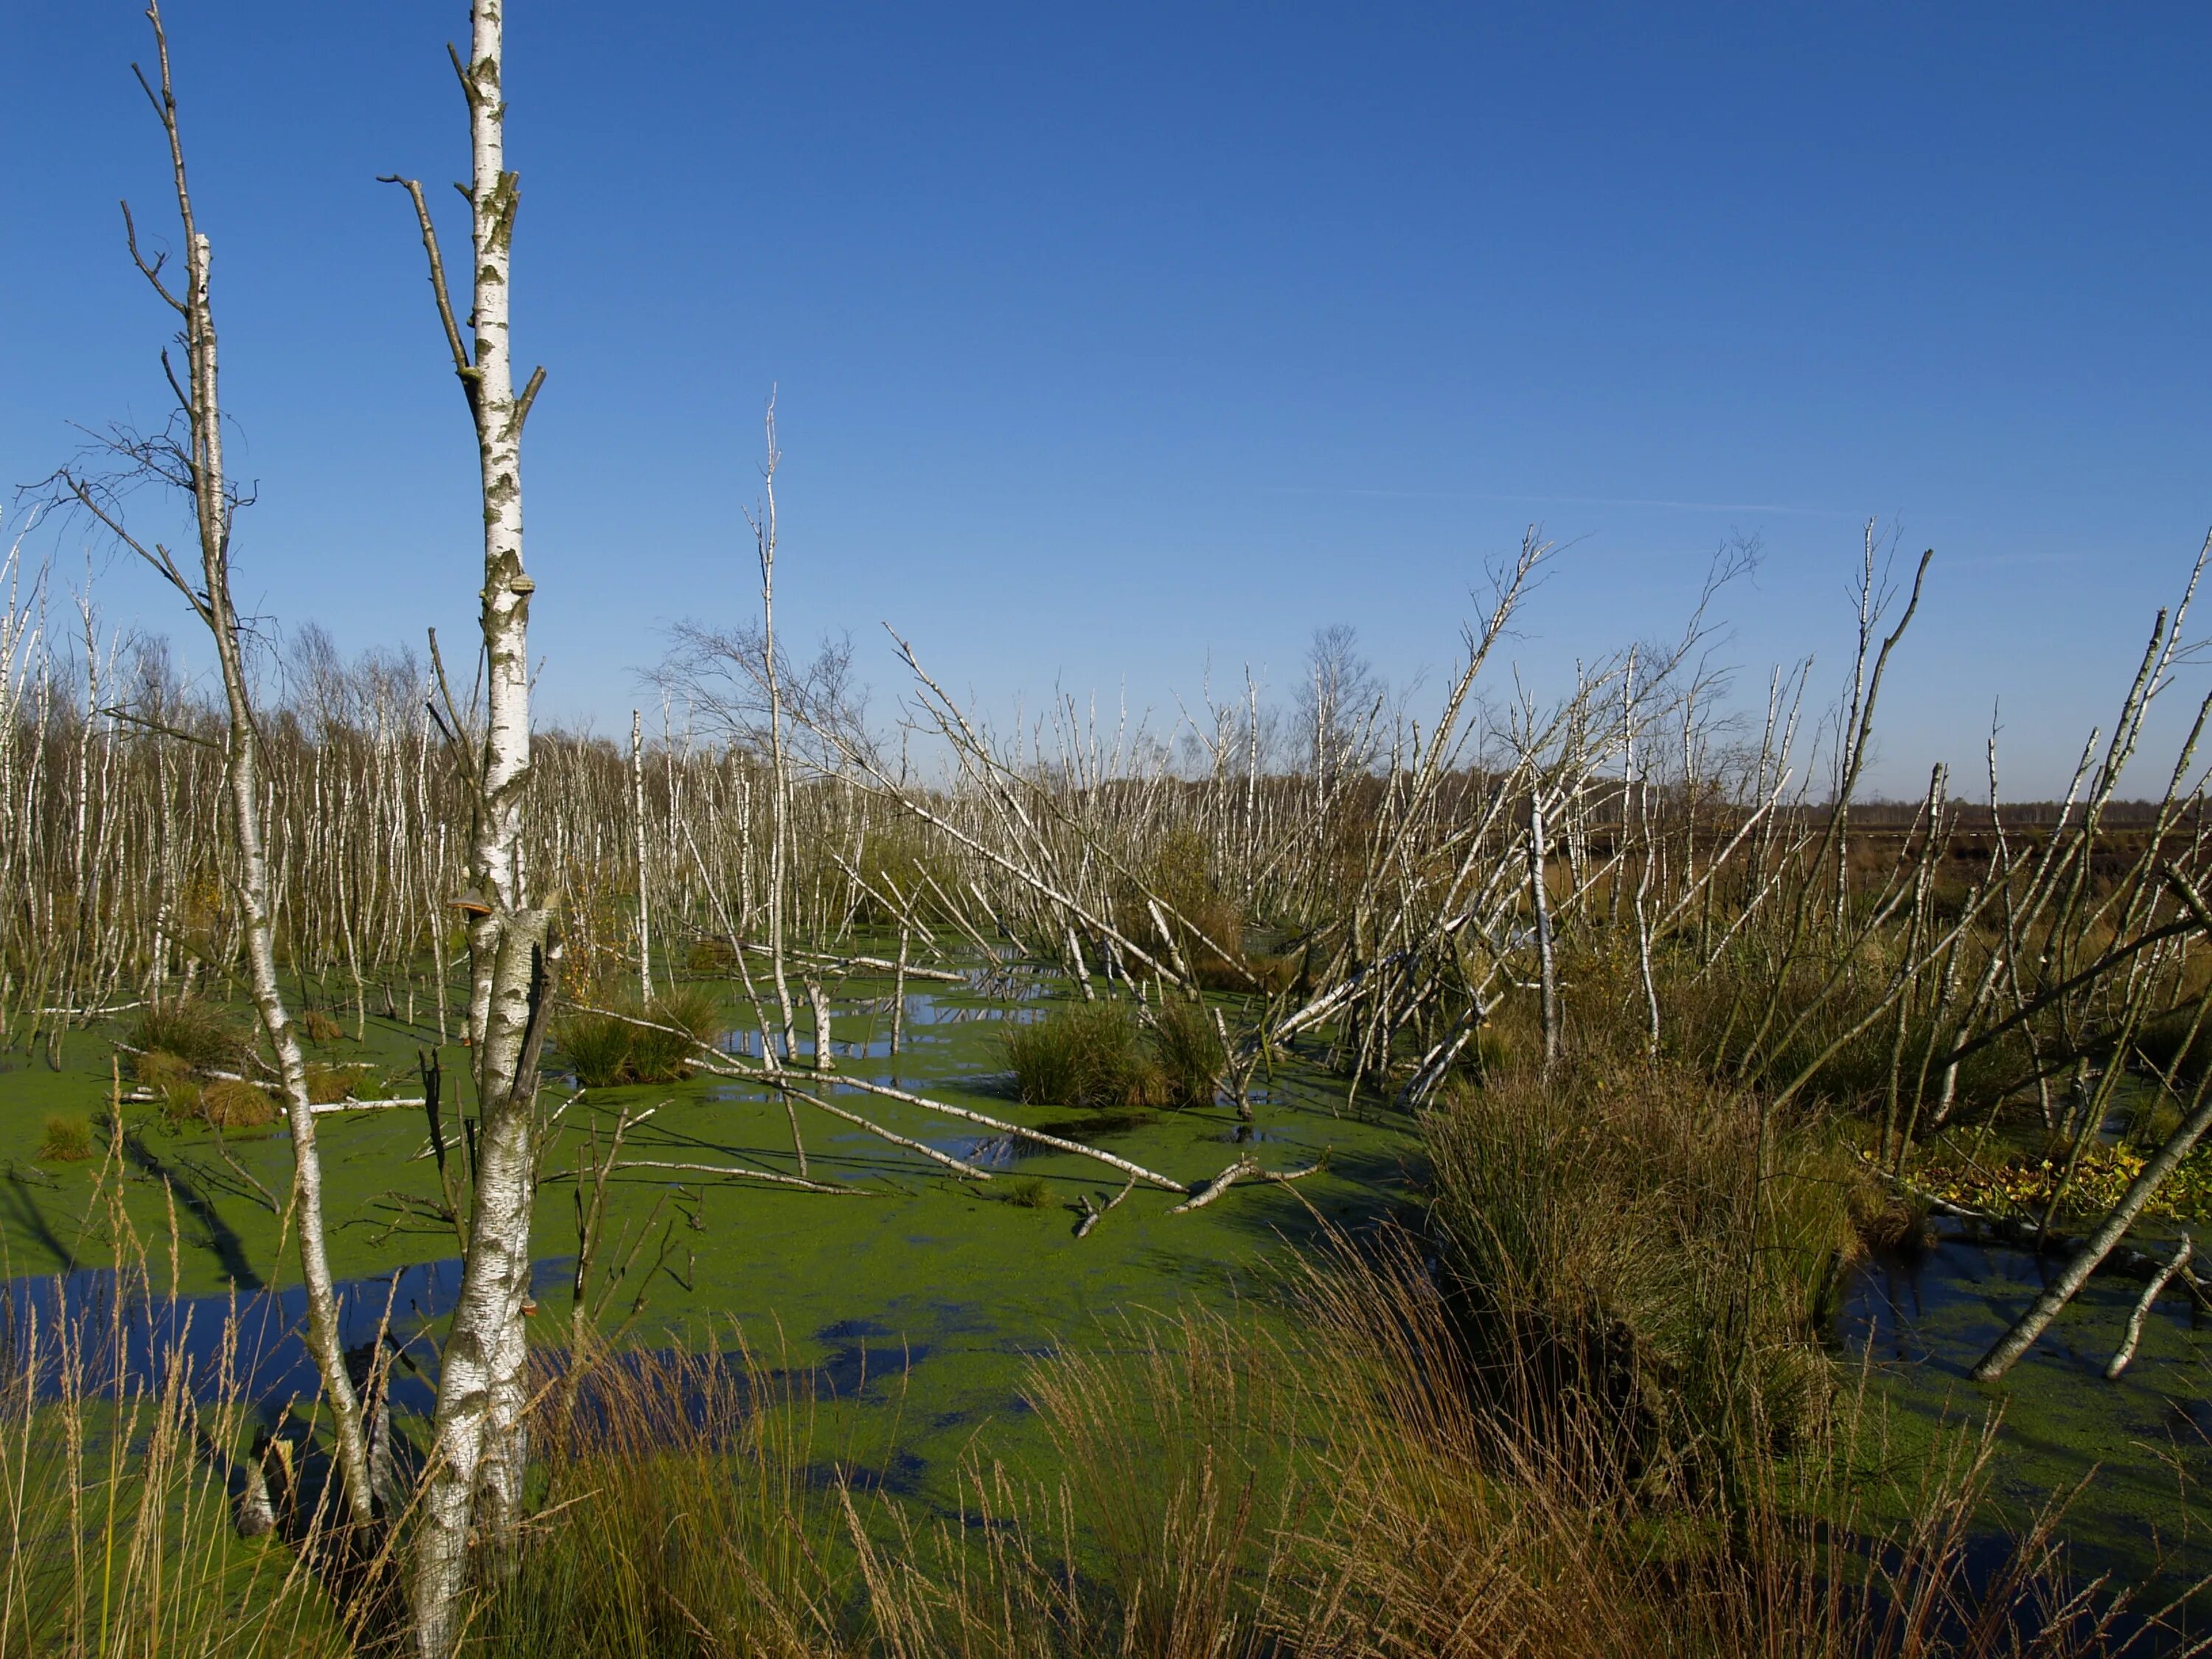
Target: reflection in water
(924, 1010)
(251, 1343)
(253, 1347)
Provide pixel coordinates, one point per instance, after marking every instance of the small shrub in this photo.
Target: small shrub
(1088, 1055)
(1191, 1058)
(202, 1034)
(1030, 1192)
(69, 1140)
(233, 1103)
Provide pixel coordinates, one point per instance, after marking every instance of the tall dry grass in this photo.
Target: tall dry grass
(1642, 1257)
(1352, 1484)
(119, 1492)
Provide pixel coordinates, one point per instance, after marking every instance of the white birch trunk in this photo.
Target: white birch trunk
(479, 1449)
(1539, 900)
(241, 770)
(637, 815)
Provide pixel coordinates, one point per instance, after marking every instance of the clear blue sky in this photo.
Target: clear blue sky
(1110, 339)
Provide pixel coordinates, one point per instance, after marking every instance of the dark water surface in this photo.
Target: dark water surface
(2131, 1459)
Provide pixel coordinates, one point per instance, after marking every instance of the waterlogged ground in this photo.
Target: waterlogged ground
(926, 1296)
(921, 1303)
(2132, 1457)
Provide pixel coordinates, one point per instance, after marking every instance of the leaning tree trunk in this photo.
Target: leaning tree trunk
(2006, 1350)
(478, 1444)
(213, 504)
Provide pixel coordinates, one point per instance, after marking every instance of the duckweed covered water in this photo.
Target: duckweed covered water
(2131, 1458)
(919, 1304)
(928, 1295)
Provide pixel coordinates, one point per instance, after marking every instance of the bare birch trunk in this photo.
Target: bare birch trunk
(780, 802)
(2006, 1350)
(1539, 900)
(478, 1448)
(637, 814)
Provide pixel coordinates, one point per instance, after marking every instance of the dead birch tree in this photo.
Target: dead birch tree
(637, 825)
(478, 1449)
(194, 463)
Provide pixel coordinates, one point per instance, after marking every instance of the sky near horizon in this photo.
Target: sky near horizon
(1115, 346)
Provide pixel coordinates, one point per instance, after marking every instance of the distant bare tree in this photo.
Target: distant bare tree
(722, 674)
(1343, 699)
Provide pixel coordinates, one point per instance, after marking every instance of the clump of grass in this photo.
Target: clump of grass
(1458, 1524)
(135, 1550)
(1189, 1053)
(1632, 1245)
(170, 1076)
(155, 1068)
(233, 1103)
(605, 1051)
(596, 1047)
(1029, 1192)
(1088, 1054)
(68, 1140)
(326, 1083)
(1097, 1057)
(1496, 1048)
(320, 1027)
(711, 958)
(662, 1056)
(689, 1516)
(203, 1035)
(223, 1102)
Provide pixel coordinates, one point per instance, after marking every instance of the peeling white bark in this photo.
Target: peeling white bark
(637, 824)
(479, 1450)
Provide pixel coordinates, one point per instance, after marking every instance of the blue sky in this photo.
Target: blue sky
(1110, 341)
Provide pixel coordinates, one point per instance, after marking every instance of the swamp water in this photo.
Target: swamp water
(2130, 1458)
(914, 1311)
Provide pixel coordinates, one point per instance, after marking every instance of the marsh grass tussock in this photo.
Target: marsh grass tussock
(651, 1042)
